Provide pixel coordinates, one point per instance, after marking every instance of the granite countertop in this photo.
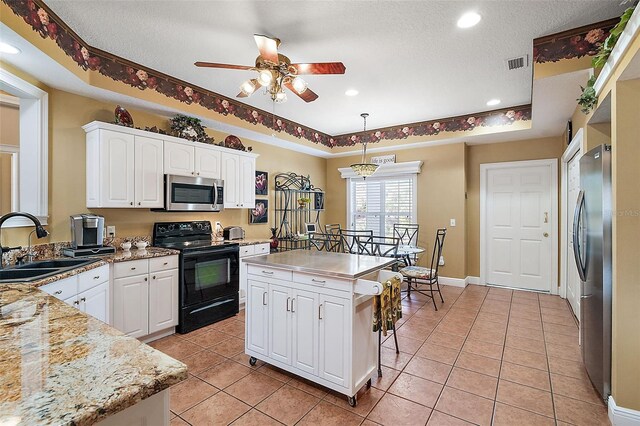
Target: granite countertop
(60, 366)
(339, 265)
(249, 241)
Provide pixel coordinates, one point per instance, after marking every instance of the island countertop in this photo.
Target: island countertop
(339, 265)
(60, 366)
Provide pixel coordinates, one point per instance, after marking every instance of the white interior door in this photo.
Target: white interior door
(573, 279)
(518, 239)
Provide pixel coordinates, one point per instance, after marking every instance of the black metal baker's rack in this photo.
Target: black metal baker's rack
(292, 215)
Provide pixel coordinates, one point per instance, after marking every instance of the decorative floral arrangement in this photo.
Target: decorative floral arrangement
(588, 98)
(190, 128)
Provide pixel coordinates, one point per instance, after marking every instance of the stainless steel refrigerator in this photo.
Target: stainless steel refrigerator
(592, 250)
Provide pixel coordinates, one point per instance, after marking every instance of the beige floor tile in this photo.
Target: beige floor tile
(526, 358)
(558, 319)
(179, 349)
(229, 347)
(571, 330)
(571, 353)
(414, 331)
(254, 417)
(477, 347)
(393, 410)
(466, 406)
(243, 359)
(560, 339)
(327, 414)
(453, 328)
(428, 369)
(276, 373)
(565, 367)
(207, 339)
(288, 404)
(580, 389)
(188, 393)
(496, 336)
(224, 374)
(478, 363)
(405, 344)
(389, 375)
(472, 382)
(532, 315)
(202, 360)
(497, 318)
(525, 332)
(526, 344)
(367, 399)
(506, 415)
(438, 353)
(525, 397)
(416, 389)
(177, 421)
(389, 358)
(445, 339)
(254, 388)
(235, 328)
(440, 419)
(220, 409)
(309, 387)
(525, 376)
(580, 413)
(525, 323)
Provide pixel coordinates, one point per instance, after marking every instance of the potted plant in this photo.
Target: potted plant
(302, 202)
(274, 239)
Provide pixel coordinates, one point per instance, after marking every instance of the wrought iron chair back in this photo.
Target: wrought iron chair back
(441, 233)
(332, 228)
(378, 246)
(326, 242)
(408, 233)
(349, 239)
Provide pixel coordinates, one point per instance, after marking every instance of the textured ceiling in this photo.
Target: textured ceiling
(408, 59)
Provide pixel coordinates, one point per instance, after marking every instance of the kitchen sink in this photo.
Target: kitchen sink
(9, 275)
(56, 263)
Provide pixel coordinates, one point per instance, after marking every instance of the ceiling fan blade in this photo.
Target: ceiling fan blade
(242, 95)
(268, 48)
(308, 95)
(320, 68)
(228, 66)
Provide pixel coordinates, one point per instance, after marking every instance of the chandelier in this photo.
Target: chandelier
(363, 168)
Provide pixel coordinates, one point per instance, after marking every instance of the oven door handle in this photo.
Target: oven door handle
(214, 250)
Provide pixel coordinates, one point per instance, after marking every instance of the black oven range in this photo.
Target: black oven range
(209, 272)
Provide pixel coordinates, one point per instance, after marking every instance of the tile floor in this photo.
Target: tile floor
(487, 356)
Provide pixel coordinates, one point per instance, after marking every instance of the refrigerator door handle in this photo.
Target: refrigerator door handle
(577, 248)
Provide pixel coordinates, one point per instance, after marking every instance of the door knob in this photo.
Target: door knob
(546, 234)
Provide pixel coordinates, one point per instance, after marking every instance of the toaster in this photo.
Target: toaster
(233, 233)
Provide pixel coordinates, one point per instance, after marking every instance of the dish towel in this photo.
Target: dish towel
(387, 308)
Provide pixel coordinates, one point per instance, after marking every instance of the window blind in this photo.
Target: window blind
(377, 204)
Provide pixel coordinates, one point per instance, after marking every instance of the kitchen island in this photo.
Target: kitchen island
(59, 366)
(310, 313)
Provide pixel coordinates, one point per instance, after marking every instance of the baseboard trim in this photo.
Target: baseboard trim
(473, 280)
(454, 282)
(620, 416)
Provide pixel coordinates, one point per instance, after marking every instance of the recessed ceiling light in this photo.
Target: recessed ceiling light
(469, 19)
(9, 49)
(351, 92)
(493, 102)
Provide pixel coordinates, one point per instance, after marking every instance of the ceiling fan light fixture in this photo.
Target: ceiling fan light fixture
(248, 87)
(280, 97)
(265, 77)
(299, 85)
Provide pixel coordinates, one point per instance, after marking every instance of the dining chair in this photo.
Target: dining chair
(349, 239)
(373, 245)
(408, 234)
(417, 275)
(332, 228)
(325, 242)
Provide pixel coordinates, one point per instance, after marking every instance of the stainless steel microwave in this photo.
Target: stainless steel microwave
(186, 193)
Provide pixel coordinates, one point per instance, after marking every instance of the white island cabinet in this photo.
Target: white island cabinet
(310, 313)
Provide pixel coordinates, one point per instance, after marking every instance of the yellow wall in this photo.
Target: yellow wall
(532, 149)
(68, 112)
(9, 135)
(440, 198)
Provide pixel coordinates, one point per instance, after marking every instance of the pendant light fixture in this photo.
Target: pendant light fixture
(364, 169)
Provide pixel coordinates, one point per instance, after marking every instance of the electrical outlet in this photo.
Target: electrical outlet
(452, 222)
(441, 261)
(111, 231)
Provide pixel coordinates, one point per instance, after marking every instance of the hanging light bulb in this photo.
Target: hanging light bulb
(299, 85)
(364, 169)
(248, 87)
(265, 77)
(280, 97)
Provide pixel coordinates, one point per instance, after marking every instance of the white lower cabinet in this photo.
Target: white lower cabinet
(279, 323)
(334, 313)
(257, 320)
(249, 250)
(305, 317)
(88, 291)
(145, 296)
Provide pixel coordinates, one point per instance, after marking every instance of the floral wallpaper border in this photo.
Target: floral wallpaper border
(575, 43)
(48, 25)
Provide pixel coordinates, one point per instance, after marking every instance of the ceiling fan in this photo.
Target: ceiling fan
(275, 72)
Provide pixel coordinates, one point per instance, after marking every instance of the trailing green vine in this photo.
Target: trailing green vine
(588, 98)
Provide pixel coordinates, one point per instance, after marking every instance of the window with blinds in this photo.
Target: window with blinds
(377, 204)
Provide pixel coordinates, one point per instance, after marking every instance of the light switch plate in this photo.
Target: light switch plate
(453, 222)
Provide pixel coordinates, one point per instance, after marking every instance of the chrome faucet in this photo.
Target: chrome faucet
(40, 231)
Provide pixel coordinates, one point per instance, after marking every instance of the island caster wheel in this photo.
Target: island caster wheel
(352, 401)
(368, 383)
(252, 361)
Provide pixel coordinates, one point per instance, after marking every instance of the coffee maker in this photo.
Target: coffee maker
(87, 231)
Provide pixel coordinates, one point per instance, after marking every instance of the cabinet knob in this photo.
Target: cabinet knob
(165, 263)
(96, 277)
(133, 268)
(191, 172)
(84, 299)
(154, 277)
(131, 203)
(198, 173)
(139, 203)
(57, 292)
(146, 279)
(75, 302)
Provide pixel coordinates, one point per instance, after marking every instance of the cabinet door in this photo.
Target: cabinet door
(304, 314)
(334, 339)
(117, 169)
(95, 302)
(178, 159)
(229, 166)
(131, 305)
(149, 176)
(163, 300)
(279, 323)
(208, 163)
(247, 187)
(257, 312)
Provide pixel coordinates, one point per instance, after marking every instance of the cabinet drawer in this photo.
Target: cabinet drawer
(321, 281)
(274, 273)
(130, 268)
(93, 278)
(163, 263)
(248, 250)
(62, 289)
(262, 248)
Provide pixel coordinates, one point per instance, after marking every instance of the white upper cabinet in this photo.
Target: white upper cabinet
(148, 172)
(239, 174)
(207, 162)
(247, 187)
(179, 159)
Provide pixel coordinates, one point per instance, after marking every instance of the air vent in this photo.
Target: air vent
(517, 63)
